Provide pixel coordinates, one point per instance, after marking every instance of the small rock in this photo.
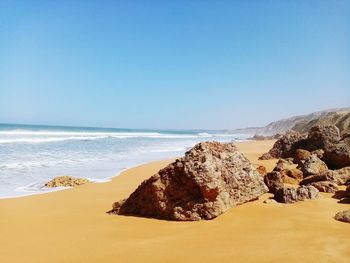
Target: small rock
(292, 195)
(301, 155)
(325, 186)
(343, 216)
(319, 153)
(261, 170)
(270, 201)
(66, 181)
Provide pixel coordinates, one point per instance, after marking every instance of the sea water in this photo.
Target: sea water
(31, 155)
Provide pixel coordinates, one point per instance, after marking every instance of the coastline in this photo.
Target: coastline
(72, 226)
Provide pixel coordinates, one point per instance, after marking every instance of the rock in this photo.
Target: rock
(348, 190)
(290, 175)
(340, 176)
(292, 195)
(301, 155)
(313, 178)
(313, 166)
(285, 146)
(325, 186)
(322, 137)
(274, 181)
(338, 155)
(210, 179)
(343, 216)
(261, 170)
(319, 153)
(270, 201)
(66, 181)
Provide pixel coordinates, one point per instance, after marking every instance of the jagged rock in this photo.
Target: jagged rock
(274, 181)
(290, 175)
(338, 155)
(340, 176)
(343, 216)
(292, 195)
(66, 181)
(300, 155)
(322, 137)
(261, 170)
(285, 146)
(211, 178)
(313, 166)
(325, 186)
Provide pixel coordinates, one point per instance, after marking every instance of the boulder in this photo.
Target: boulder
(325, 186)
(343, 216)
(292, 195)
(66, 181)
(274, 181)
(210, 179)
(300, 155)
(338, 155)
(339, 176)
(285, 146)
(322, 137)
(313, 166)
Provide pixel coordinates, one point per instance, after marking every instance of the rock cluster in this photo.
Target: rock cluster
(324, 141)
(66, 181)
(211, 178)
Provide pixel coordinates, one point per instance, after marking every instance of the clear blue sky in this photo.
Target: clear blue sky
(172, 64)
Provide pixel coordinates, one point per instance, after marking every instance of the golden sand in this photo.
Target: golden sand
(72, 226)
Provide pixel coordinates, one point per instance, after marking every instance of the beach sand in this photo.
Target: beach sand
(72, 226)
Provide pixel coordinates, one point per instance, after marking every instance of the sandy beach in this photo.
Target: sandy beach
(72, 226)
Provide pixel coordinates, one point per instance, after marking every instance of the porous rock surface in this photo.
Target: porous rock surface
(66, 181)
(211, 178)
(292, 195)
(285, 146)
(343, 216)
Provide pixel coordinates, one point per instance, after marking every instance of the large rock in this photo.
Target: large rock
(338, 155)
(339, 176)
(322, 137)
(343, 216)
(325, 186)
(211, 178)
(285, 146)
(274, 181)
(292, 195)
(313, 166)
(66, 181)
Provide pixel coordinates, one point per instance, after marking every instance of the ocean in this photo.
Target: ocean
(31, 155)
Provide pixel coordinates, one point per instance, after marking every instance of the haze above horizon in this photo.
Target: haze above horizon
(171, 65)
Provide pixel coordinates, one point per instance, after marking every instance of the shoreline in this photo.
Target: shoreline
(73, 226)
(92, 180)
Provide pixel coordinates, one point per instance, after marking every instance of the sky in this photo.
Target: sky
(172, 64)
